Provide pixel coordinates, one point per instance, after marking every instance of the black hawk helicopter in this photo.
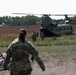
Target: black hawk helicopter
(49, 29)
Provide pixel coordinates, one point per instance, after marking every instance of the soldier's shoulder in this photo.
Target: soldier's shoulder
(29, 43)
(15, 41)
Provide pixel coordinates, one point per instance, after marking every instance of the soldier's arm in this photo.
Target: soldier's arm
(39, 60)
(32, 58)
(35, 55)
(7, 59)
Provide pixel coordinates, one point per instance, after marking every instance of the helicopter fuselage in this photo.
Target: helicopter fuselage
(59, 30)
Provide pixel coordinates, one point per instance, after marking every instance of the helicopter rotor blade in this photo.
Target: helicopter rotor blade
(63, 14)
(33, 14)
(46, 14)
(27, 14)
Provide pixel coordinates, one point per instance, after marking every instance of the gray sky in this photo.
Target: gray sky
(7, 7)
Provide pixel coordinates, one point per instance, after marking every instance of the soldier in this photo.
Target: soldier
(34, 36)
(42, 36)
(20, 50)
(37, 34)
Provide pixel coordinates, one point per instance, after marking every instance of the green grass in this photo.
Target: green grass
(3, 49)
(50, 49)
(48, 52)
(4, 42)
(56, 49)
(59, 44)
(61, 52)
(64, 40)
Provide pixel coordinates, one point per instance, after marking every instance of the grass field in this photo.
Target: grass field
(50, 46)
(58, 54)
(63, 41)
(56, 44)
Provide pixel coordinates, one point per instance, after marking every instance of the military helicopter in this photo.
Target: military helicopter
(49, 29)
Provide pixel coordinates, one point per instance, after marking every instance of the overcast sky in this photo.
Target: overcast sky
(7, 7)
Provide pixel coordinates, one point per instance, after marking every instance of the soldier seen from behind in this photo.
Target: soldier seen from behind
(19, 52)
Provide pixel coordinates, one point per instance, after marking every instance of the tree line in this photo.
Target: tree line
(28, 20)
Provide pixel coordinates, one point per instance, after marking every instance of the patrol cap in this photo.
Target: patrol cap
(22, 31)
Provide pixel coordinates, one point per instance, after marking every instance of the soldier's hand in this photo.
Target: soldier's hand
(32, 58)
(5, 68)
(43, 69)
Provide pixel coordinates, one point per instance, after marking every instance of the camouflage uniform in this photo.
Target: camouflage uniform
(34, 36)
(19, 53)
(42, 36)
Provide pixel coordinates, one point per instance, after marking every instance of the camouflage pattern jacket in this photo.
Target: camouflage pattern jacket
(19, 53)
